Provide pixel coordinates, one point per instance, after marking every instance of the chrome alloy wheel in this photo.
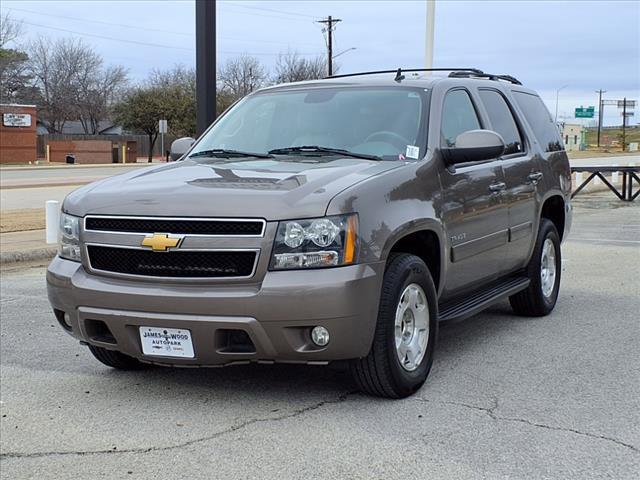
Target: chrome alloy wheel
(412, 327)
(548, 268)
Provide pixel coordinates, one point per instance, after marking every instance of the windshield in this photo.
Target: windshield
(382, 122)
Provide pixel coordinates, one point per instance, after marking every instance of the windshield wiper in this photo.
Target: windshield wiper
(318, 149)
(224, 153)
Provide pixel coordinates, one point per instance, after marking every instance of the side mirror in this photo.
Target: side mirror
(180, 146)
(475, 146)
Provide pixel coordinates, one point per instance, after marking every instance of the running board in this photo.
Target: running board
(470, 305)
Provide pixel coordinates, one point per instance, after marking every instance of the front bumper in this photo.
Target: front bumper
(277, 314)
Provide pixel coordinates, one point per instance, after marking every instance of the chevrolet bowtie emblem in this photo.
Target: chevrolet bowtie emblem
(161, 242)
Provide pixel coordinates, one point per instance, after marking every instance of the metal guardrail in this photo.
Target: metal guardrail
(629, 174)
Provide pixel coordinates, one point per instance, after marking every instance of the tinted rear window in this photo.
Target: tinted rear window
(539, 118)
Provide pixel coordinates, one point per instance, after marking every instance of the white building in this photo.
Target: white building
(572, 135)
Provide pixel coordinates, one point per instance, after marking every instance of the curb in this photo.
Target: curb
(46, 253)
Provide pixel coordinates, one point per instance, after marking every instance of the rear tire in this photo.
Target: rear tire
(115, 359)
(406, 330)
(543, 271)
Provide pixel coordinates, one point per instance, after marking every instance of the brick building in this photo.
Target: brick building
(17, 133)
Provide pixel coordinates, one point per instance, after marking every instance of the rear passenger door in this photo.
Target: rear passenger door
(521, 175)
(473, 211)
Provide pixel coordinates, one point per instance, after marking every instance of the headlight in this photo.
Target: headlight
(314, 243)
(69, 237)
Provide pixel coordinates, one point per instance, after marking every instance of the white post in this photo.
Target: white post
(429, 35)
(52, 221)
(615, 177)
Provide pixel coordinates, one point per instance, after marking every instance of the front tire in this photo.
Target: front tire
(543, 271)
(406, 330)
(115, 359)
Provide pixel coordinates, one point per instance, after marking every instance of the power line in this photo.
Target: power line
(135, 42)
(136, 27)
(104, 37)
(267, 15)
(295, 14)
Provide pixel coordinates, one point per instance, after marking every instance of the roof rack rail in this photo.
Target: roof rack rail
(479, 74)
(399, 72)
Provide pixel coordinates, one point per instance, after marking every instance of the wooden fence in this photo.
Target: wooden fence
(118, 140)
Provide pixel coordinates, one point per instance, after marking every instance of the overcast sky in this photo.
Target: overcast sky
(585, 45)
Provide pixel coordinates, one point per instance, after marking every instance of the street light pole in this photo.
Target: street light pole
(429, 35)
(557, 97)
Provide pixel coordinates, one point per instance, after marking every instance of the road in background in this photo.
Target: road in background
(15, 199)
(508, 397)
(10, 176)
(618, 160)
(31, 187)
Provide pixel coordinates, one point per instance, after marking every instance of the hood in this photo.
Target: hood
(269, 189)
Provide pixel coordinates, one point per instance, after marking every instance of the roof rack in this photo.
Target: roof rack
(479, 74)
(399, 72)
(454, 73)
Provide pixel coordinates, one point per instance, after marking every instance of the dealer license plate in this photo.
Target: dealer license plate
(166, 342)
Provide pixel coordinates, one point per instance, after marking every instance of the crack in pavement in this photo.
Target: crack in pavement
(231, 429)
(490, 412)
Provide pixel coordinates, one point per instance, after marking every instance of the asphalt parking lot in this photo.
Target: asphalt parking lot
(509, 397)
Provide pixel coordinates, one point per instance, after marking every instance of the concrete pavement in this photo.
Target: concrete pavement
(508, 397)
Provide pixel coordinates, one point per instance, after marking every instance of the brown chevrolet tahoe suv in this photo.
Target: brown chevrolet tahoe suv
(338, 219)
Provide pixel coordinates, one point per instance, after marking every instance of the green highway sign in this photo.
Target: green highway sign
(585, 112)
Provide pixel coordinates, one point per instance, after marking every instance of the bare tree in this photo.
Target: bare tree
(291, 67)
(241, 75)
(100, 91)
(9, 29)
(73, 82)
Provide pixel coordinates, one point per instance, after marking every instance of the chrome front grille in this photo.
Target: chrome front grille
(207, 248)
(182, 226)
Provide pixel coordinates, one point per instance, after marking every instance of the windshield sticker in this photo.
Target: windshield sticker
(413, 151)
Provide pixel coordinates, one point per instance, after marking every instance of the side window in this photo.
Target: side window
(502, 120)
(458, 116)
(537, 115)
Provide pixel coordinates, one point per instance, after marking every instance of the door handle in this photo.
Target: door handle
(535, 177)
(498, 187)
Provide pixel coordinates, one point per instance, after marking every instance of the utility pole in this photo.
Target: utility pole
(329, 22)
(557, 97)
(600, 92)
(429, 35)
(624, 122)
(205, 64)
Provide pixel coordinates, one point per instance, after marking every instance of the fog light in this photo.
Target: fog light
(320, 336)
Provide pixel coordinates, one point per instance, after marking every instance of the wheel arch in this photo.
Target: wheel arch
(425, 243)
(553, 209)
